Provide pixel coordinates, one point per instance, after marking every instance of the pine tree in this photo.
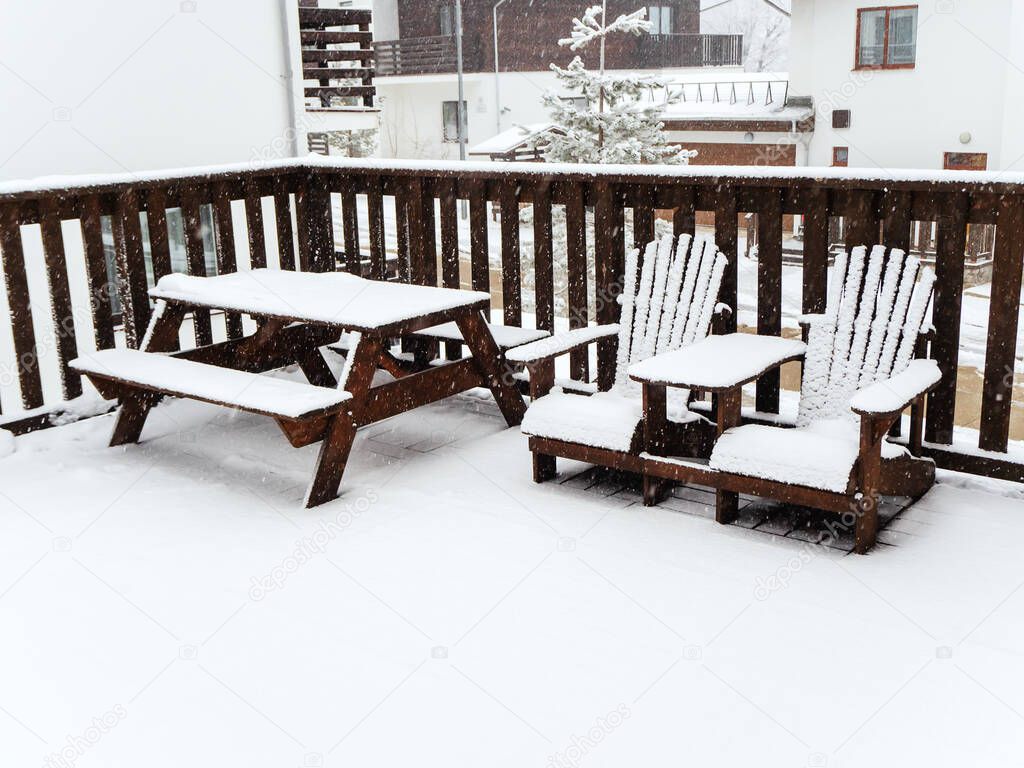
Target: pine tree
(615, 126)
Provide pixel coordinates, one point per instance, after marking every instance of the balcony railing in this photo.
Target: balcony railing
(436, 55)
(691, 50)
(422, 56)
(408, 203)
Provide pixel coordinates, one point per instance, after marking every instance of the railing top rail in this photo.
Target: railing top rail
(749, 176)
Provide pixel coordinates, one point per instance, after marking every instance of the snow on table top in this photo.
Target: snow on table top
(505, 336)
(334, 298)
(718, 362)
(211, 383)
(893, 394)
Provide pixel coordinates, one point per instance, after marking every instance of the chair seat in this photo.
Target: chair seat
(821, 455)
(603, 420)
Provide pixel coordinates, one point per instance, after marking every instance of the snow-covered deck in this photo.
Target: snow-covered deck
(172, 604)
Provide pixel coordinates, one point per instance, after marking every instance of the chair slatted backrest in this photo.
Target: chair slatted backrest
(875, 312)
(667, 301)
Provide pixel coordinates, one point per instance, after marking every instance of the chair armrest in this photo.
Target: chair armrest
(816, 318)
(560, 344)
(891, 396)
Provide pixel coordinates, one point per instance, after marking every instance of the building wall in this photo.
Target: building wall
(528, 33)
(908, 118)
(140, 85)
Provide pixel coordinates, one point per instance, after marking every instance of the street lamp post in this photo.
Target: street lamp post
(497, 71)
(460, 104)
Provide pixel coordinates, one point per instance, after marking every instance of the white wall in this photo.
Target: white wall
(117, 85)
(909, 118)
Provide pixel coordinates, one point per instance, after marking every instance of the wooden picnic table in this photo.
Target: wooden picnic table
(296, 314)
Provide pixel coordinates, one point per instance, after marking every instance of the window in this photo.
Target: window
(661, 17)
(450, 118)
(840, 118)
(965, 161)
(887, 37)
(579, 103)
(447, 20)
(840, 157)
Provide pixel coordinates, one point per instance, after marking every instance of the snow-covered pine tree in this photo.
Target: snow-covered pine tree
(616, 126)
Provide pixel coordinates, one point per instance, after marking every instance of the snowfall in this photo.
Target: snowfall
(172, 604)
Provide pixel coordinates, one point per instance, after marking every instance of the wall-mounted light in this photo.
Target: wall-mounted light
(748, 137)
(965, 137)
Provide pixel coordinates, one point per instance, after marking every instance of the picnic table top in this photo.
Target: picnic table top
(718, 362)
(325, 298)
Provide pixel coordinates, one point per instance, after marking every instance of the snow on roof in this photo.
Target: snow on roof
(511, 139)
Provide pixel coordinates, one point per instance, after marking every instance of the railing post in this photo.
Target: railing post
(131, 267)
(316, 233)
(1000, 354)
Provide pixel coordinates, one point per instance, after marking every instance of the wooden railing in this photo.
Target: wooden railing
(691, 50)
(336, 53)
(423, 56)
(253, 211)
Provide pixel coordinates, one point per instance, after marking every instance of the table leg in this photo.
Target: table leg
(492, 367)
(728, 416)
(361, 364)
(331, 461)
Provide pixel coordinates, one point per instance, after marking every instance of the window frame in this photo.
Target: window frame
(444, 122)
(835, 157)
(661, 10)
(980, 158)
(886, 64)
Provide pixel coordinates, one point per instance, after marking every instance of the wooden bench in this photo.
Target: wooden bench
(305, 413)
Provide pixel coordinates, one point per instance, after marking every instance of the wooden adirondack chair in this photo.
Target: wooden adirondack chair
(859, 366)
(667, 303)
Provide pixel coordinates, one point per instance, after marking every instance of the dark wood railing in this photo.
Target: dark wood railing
(336, 53)
(425, 198)
(691, 50)
(423, 56)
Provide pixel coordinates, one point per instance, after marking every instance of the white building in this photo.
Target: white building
(135, 85)
(932, 85)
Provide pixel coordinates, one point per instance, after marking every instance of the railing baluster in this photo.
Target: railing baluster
(896, 214)
(449, 251)
(643, 217)
(224, 237)
(769, 290)
(479, 254)
(62, 313)
(1000, 354)
(727, 239)
(949, 288)
(350, 227)
(19, 303)
(543, 258)
(684, 217)
(156, 223)
(429, 274)
(402, 232)
(96, 272)
(254, 225)
(316, 232)
(511, 296)
(608, 243)
(283, 223)
(417, 230)
(195, 257)
(576, 266)
(131, 267)
(816, 245)
(375, 216)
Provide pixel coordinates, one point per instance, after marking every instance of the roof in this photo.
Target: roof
(513, 138)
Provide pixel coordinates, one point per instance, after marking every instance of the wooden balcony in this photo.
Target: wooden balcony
(400, 221)
(436, 55)
(337, 56)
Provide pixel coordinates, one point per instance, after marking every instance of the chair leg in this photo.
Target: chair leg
(656, 490)
(727, 505)
(866, 529)
(131, 418)
(543, 467)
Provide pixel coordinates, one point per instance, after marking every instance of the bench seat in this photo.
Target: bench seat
(251, 392)
(505, 336)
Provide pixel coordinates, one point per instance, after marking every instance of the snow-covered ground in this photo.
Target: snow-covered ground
(172, 604)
